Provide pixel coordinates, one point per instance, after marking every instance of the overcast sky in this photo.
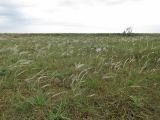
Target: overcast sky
(84, 16)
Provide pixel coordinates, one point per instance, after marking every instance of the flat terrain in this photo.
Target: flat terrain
(79, 77)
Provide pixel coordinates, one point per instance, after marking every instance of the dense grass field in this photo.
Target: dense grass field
(79, 77)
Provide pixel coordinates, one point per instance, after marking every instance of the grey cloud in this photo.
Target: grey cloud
(15, 19)
(61, 24)
(67, 24)
(110, 2)
(117, 2)
(67, 2)
(91, 2)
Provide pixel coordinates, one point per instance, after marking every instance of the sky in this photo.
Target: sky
(79, 16)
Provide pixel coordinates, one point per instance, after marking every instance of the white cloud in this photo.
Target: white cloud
(81, 15)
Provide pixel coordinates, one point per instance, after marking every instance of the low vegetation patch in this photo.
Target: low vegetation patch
(79, 76)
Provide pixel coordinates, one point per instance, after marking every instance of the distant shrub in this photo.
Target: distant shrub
(128, 31)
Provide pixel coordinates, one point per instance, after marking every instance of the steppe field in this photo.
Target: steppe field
(79, 76)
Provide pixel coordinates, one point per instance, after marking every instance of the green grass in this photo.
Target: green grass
(79, 76)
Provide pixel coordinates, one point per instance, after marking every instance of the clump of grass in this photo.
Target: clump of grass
(38, 100)
(80, 107)
(58, 111)
(130, 82)
(3, 71)
(93, 83)
(119, 107)
(138, 100)
(25, 106)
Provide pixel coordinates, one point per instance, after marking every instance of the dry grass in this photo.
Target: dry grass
(79, 76)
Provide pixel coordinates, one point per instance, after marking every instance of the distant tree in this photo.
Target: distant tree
(128, 30)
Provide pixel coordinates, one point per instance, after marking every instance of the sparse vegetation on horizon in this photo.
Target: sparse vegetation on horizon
(79, 77)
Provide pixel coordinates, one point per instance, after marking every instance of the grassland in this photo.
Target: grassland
(79, 77)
